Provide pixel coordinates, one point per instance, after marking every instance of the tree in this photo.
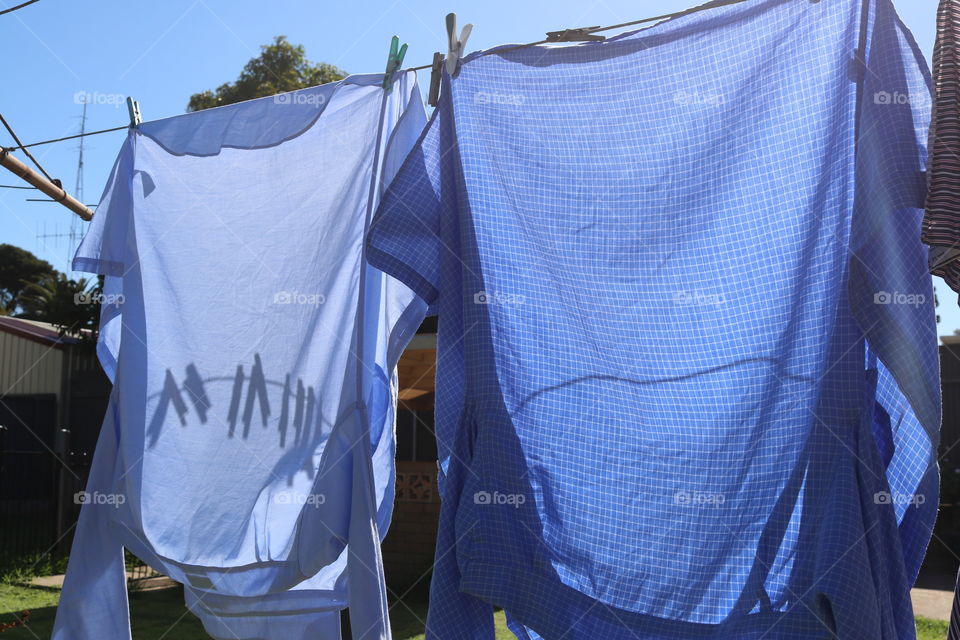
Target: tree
(73, 306)
(18, 267)
(280, 67)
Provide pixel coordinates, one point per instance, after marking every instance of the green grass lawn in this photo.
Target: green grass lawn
(931, 629)
(161, 615)
(158, 615)
(406, 622)
(153, 613)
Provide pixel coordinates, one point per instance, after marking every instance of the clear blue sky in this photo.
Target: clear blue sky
(161, 52)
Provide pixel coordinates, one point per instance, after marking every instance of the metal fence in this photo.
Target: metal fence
(28, 476)
(44, 467)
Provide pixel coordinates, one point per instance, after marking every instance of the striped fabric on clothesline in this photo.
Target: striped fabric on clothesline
(941, 224)
(954, 633)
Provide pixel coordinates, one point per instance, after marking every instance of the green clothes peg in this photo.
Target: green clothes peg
(394, 60)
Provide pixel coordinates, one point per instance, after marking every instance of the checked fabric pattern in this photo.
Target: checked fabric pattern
(687, 361)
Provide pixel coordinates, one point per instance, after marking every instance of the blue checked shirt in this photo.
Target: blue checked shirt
(687, 362)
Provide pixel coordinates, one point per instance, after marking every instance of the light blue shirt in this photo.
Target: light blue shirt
(248, 444)
(687, 379)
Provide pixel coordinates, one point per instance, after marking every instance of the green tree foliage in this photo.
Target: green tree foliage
(280, 67)
(18, 267)
(73, 306)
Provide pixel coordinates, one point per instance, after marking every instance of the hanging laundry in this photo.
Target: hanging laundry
(688, 382)
(953, 631)
(248, 450)
(941, 223)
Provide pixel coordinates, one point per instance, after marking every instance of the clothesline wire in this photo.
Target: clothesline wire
(93, 206)
(28, 154)
(78, 135)
(666, 16)
(589, 30)
(19, 6)
(581, 30)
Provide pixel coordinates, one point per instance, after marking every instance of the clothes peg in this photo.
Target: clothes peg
(394, 60)
(457, 45)
(574, 35)
(434, 96)
(133, 108)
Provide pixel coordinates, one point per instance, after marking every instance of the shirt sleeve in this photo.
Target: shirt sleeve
(890, 289)
(405, 238)
(103, 249)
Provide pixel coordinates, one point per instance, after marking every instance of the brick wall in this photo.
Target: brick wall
(410, 542)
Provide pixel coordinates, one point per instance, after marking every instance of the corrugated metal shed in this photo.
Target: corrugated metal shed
(31, 357)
